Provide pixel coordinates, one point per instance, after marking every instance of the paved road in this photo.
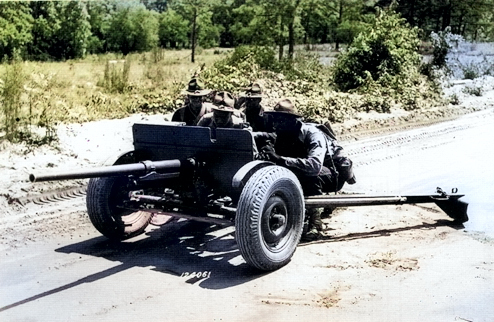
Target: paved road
(368, 262)
(449, 155)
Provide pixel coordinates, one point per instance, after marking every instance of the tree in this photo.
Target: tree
(268, 22)
(223, 17)
(290, 12)
(469, 18)
(132, 29)
(386, 50)
(16, 24)
(45, 28)
(146, 25)
(208, 34)
(254, 25)
(75, 30)
(316, 20)
(156, 5)
(197, 14)
(172, 29)
(61, 30)
(99, 16)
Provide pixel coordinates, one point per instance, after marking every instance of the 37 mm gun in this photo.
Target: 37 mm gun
(186, 172)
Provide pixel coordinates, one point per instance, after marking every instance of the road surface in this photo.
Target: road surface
(386, 263)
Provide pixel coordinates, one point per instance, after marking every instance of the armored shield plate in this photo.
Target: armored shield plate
(223, 151)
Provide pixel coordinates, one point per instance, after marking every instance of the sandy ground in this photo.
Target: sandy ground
(387, 263)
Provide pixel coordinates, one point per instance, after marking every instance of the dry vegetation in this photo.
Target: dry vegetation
(36, 96)
(104, 86)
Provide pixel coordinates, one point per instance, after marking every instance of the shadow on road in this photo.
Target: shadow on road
(382, 232)
(198, 252)
(201, 253)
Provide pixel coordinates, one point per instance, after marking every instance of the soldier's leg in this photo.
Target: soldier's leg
(315, 224)
(311, 187)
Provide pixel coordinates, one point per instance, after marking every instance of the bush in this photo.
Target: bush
(262, 56)
(473, 90)
(442, 43)
(385, 53)
(239, 68)
(116, 80)
(305, 66)
(470, 71)
(10, 98)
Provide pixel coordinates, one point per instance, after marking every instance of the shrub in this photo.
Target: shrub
(11, 91)
(383, 52)
(469, 71)
(116, 80)
(262, 56)
(442, 43)
(305, 66)
(454, 99)
(239, 68)
(473, 90)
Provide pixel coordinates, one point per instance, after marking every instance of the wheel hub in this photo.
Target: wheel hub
(275, 223)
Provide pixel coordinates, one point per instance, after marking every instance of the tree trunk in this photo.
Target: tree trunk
(193, 36)
(280, 43)
(291, 40)
(411, 19)
(446, 16)
(291, 30)
(340, 20)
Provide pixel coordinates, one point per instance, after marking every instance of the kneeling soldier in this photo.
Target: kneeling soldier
(316, 159)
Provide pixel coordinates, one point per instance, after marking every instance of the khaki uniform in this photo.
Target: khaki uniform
(185, 114)
(209, 121)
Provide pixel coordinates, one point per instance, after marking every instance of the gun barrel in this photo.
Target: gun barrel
(171, 167)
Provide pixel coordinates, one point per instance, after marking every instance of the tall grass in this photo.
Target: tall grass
(116, 79)
(43, 94)
(11, 90)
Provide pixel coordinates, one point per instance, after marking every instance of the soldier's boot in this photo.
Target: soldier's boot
(327, 212)
(315, 224)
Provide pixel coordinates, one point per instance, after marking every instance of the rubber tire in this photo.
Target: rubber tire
(103, 196)
(272, 189)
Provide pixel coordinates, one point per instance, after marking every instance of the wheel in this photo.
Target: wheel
(104, 195)
(269, 218)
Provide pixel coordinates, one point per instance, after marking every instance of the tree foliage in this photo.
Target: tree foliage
(173, 30)
(132, 29)
(197, 14)
(385, 51)
(16, 25)
(472, 19)
(58, 30)
(61, 30)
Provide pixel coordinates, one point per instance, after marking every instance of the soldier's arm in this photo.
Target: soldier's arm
(316, 151)
(264, 138)
(177, 116)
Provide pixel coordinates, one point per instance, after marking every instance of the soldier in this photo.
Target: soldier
(253, 110)
(194, 107)
(316, 159)
(222, 115)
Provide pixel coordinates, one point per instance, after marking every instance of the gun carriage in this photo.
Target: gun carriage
(210, 175)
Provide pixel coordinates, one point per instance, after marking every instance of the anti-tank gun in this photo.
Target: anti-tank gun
(211, 175)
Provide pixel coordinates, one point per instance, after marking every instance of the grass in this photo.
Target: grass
(102, 86)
